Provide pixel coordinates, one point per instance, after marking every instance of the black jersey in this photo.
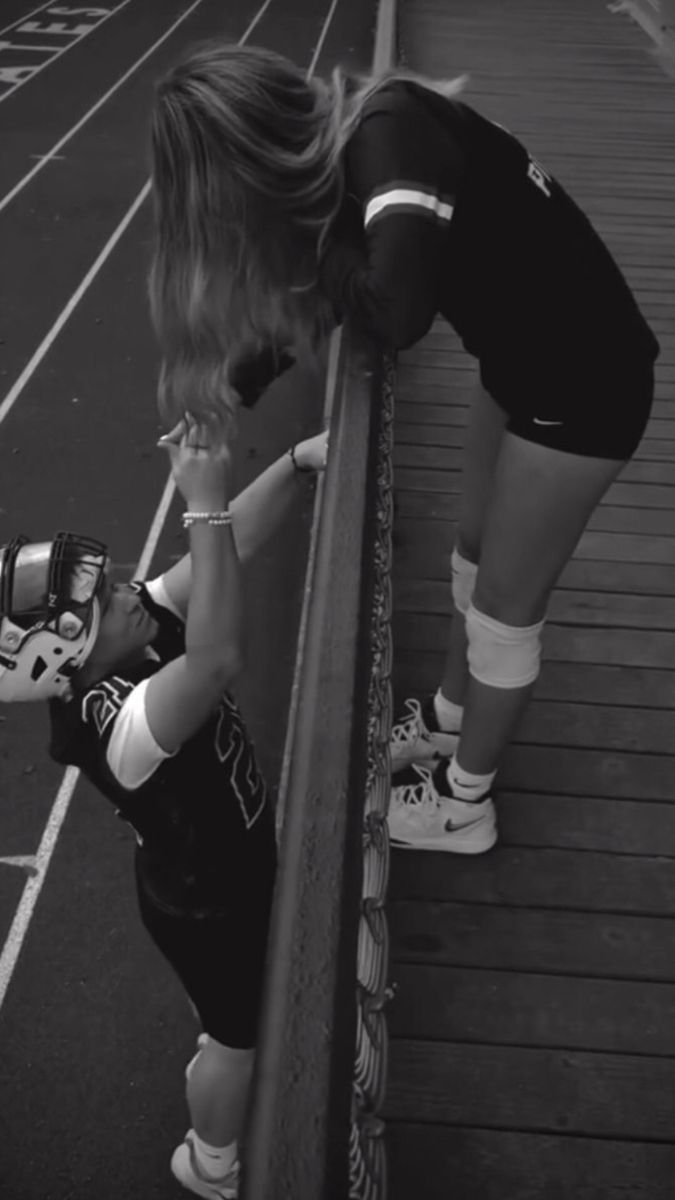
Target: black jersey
(447, 213)
(203, 819)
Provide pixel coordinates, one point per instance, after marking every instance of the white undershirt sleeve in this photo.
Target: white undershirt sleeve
(133, 755)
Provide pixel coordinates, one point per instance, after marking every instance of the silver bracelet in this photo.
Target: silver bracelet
(206, 518)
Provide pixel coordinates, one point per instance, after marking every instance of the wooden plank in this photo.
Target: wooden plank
(603, 727)
(576, 725)
(441, 1162)
(428, 412)
(583, 881)
(622, 647)
(520, 939)
(581, 771)
(568, 606)
(418, 673)
(432, 474)
(416, 501)
(520, 1008)
(598, 1095)
(593, 545)
(586, 822)
(424, 550)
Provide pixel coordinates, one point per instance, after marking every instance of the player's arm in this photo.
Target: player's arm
(180, 696)
(257, 512)
(388, 281)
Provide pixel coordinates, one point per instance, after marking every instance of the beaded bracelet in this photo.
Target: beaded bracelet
(296, 464)
(206, 518)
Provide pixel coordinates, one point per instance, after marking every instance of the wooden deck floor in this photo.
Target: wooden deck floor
(533, 1025)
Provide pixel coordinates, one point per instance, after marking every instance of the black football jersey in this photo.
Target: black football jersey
(203, 819)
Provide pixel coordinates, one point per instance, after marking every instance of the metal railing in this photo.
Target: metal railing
(315, 1130)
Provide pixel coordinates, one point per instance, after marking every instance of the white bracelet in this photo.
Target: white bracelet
(206, 518)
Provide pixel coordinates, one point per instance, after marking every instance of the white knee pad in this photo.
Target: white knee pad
(502, 656)
(463, 580)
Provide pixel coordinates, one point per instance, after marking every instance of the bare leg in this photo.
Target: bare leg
(483, 440)
(541, 501)
(217, 1092)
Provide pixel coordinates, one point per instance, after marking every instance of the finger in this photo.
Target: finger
(199, 435)
(174, 435)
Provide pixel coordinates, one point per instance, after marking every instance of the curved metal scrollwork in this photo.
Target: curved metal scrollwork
(367, 1156)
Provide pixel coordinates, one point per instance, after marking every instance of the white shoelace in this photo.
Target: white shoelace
(409, 729)
(416, 799)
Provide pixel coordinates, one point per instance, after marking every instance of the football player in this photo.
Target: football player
(137, 677)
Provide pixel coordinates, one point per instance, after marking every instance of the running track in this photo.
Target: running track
(93, 1030)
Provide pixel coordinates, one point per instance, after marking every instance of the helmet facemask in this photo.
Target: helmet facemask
(49, 613)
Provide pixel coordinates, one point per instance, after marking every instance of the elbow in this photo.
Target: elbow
(399, 327)
(218, 666)
(230, 665)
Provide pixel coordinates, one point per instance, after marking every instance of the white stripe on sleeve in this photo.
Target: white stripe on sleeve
(408, 198)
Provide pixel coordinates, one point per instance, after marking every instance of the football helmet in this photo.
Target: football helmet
(49, 613)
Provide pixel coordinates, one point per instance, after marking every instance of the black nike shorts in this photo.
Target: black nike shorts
(589, 407)
(219, 959)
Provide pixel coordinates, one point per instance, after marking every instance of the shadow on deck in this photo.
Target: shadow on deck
(533, 1025)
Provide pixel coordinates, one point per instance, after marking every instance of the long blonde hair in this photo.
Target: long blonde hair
(247, 181)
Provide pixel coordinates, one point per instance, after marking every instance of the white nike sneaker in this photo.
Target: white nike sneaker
(416, 737)
(424, 815)
(188, 1172)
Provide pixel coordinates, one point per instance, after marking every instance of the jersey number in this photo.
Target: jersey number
(235, 753)
(102, 704)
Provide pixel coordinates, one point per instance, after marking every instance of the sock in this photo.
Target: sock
(213, 1161)
(466, 786)
(448, 714)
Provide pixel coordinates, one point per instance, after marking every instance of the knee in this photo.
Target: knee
(502, 601)
(501, 655)
(227, 1060)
